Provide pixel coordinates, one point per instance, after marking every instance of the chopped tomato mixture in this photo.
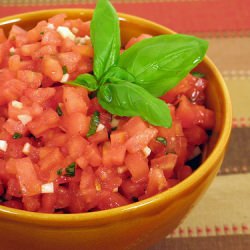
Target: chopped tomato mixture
(52, 159)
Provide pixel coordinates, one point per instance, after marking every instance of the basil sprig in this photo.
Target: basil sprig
(129, 84)
(135, 100)
(161, 62)
(105, 37)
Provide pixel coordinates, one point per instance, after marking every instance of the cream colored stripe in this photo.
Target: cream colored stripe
(239, 90)
(230, 54)
(224, 209)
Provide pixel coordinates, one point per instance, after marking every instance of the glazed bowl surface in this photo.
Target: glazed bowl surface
(135, 226)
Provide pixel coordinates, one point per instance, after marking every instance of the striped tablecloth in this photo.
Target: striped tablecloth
(221, 220)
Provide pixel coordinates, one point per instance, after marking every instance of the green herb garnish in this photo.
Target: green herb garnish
(12, 53)
(59, 171)
(162, 140)
(198, 74)
(129, 84)
(59, 110)
(64, 69)
(94, 122)
(42, 33)
(17, 136)
(70, 170)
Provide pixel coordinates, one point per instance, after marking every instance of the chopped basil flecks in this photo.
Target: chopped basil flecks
(42, 33)
(198, 74)
(59, 171)
(70, 170)
(95, 120)
(59, 110)
(64, 69)
(162, 140)
(17, 136)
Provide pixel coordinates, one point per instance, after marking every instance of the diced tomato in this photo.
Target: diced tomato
(157, 182)
(134, 40)
(184, 172)
(132, 190)
(109, 199)
(196, 135)
(76, 146)
(40, 95)
(134, 125)
(74, 100)
(29, 49)
(39, 125)
(33, 79)
(76, 123)
(14, 63)
(166, 163)
(31, 203)
(84, 50)
(14, 188)
(93, 155)
(27, 177)
(13, 126)
(43, 51)
(63, 198)
(99, 137)
(57, 20)
(13, 204)
(88, 189)
(48, 202)
(140, 140)
(70, 60)
(137, 165)
(108, 178)
(52, 68)
(51, 37)
(192, 114)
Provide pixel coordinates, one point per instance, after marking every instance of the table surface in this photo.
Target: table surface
(221, 220)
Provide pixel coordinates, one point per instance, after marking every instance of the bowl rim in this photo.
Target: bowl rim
(100, 217)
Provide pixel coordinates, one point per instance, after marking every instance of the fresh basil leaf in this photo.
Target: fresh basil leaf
(105, 37)
(160, 62)
(86, 80)
(116, 74)
(162, 140)
(128, 99)
(94, 122)
(70, 170)
(198, 74)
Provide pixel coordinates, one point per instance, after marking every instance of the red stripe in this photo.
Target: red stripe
(186, 17)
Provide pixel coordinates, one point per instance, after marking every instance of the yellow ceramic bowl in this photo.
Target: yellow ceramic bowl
(135, 226)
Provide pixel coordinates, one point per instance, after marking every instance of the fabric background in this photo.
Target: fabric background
(221, 220)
